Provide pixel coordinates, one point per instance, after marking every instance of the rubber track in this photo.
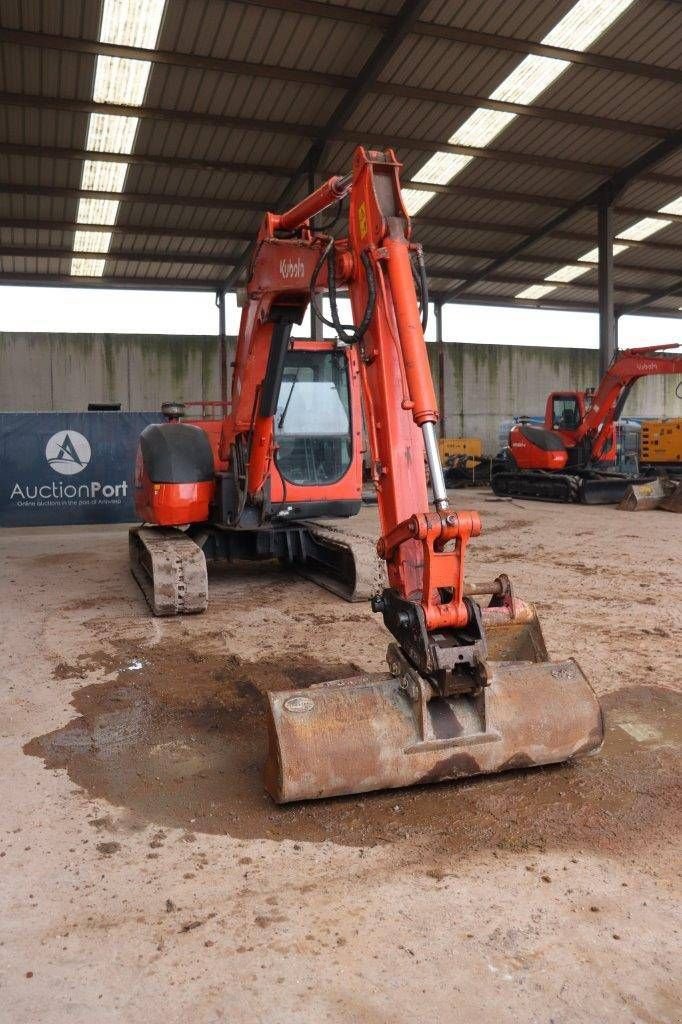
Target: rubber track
(538, 486)
(369, 571)
(170, 570)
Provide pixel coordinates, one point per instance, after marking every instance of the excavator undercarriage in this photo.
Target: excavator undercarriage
(170, 565)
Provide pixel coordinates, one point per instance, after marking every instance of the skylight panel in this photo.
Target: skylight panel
(103, 176)
(593, 255)
(92, 241)
(674, 207)
(585, 22)
(414, 199)
(131, 22)
(578, 29)
(528, 79)
(567, 273)
(111, 133)
(81, 267)
(643, 228)
(97, 211)
(119, 80)
(536, 291)
(442, 168)
(481, 128)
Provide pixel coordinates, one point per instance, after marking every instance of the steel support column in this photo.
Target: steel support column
(316, 326)
(608, 338)
(222, 345)
(438, 311)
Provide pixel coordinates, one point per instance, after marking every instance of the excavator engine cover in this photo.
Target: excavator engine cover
(383, 731)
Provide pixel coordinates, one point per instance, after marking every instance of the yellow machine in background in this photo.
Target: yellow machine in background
(451, 447)
(463, 462)
(661, 441)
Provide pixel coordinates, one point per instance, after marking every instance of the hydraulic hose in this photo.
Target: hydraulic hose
(348, 333)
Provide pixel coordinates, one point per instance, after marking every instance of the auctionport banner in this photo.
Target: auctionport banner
(61, 468)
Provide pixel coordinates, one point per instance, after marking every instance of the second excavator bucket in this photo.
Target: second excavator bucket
(383, 731)
(673, 502)
(645, 496)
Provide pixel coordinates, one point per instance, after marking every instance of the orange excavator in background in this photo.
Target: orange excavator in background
(469, 688)
(573, 456)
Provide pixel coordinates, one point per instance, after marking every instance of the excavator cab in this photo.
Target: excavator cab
(314, 427)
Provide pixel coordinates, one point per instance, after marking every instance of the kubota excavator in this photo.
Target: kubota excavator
(573, 456)
(469, 688)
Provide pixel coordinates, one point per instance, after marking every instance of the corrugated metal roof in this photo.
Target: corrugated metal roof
(263, 114)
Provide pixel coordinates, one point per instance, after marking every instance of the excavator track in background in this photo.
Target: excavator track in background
(361, 572)
(537, 486)
(170, 570)
(585, 488)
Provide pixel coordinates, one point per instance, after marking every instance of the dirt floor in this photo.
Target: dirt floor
(144, 875)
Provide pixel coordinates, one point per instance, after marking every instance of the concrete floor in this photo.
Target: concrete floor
(146, 877)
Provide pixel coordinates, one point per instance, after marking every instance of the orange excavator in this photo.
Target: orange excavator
(573, 456)
(469, 688)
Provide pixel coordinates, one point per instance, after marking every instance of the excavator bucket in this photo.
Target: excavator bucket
(673, 503)
(646, 496)
(384, 731)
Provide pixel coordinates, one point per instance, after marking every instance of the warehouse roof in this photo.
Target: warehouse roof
(141, 141)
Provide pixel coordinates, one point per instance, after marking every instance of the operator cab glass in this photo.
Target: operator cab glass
(312, 421)
(565, 413)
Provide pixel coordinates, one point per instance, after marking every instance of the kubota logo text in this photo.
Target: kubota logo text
(68, 452)
(291, 268)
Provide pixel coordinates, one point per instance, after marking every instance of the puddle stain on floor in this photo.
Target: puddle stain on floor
(180, 742)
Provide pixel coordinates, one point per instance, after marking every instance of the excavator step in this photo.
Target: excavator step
(170, 570)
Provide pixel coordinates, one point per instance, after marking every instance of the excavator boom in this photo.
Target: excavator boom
(469, 688)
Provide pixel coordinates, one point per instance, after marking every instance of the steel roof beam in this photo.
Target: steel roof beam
(280, 171)
(230, 259)
(189, 163)
(145, 283)
(308, 77)
(523, 279)
(533, 260)
(335, 12)
(565, 305)
(660, 293)
(42, 252)
(259, 206)
(607, 190)
(395, 31)
(330, 132)
(143, 230)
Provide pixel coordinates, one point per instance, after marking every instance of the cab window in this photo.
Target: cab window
(565, 413)
(312, 421)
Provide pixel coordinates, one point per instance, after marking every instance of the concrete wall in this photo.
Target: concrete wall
(483, 385)
(63, 372)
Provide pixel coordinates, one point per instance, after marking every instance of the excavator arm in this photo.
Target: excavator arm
(469, 689)
(627, 368)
